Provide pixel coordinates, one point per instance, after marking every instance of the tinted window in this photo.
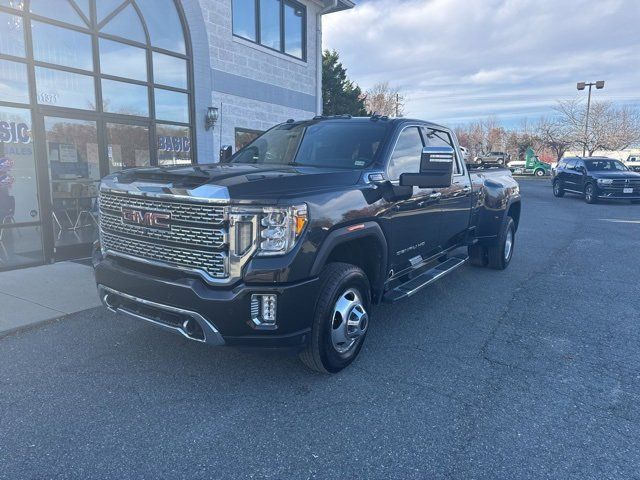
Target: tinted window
(406, 156)
(125, 98)
(605, 165)
(244, 19)
(172, 106)
(165, 28)
(126, 24)
(123, 60)
(570, 164)
(270, 23)
(61, 46)
(14, 86)
(11, 35)
(168, 70)
(438, 138)
(294, 17)
(174, 144)
(127, 146)
(64, 89)
(57, 9)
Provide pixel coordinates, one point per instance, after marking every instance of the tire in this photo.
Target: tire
(539, 173)
(558, 191)
(477, 255)
(336, 341)
(501, 161)
(499, 255)
(590, 195)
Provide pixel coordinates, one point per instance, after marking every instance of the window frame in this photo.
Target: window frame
(395, 145)
(258, 40)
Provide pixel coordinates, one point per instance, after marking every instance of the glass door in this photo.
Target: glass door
(73, 158)
(20, 227)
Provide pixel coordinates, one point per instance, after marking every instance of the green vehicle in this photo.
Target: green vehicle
(531, 165)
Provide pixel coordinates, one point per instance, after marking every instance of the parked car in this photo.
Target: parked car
(633, 163)
(596, 178)
(493, 158)
(532, 165)
(291, 241)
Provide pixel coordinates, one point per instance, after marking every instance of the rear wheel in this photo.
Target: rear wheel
(341, 319)
(558, 191)
(590, 195)
(499, 255)
(539, 173)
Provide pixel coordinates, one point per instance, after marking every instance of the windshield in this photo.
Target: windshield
(605, 166)
(323, 144)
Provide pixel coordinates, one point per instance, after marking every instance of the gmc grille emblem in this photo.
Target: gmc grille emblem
(146, 219)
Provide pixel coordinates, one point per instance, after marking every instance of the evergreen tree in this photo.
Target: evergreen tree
(340, 95)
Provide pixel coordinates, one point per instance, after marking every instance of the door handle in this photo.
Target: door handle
(435, 195)
(466, 189)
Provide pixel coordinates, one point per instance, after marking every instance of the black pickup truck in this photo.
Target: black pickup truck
(292, 240)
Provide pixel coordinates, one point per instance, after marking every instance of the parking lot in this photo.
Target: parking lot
(529, 373)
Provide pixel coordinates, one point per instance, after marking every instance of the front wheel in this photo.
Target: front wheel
(341, 319)
(539, 173)
(499, 255)
(558, 191)
(590, 195)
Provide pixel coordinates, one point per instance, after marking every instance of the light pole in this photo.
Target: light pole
(581, 86)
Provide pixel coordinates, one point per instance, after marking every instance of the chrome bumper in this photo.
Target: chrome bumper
(190, 325)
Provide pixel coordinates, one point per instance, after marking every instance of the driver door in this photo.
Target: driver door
(410, 220)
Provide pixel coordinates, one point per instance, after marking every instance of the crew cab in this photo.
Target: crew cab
(596, 178)
(493, 158)
(291, 241)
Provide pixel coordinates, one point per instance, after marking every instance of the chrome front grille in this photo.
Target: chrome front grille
(213, 263)
(180, 211)
(183, 235)
(196, 238)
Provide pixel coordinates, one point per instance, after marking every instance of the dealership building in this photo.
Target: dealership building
(89, 87)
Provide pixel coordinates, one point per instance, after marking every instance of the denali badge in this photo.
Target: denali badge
(146, 219)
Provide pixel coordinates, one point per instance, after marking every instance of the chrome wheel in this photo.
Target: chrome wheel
(588, 194)
(350, 321)
(556, 188)
(508, 245)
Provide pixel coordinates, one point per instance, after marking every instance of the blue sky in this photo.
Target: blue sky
(462, 60)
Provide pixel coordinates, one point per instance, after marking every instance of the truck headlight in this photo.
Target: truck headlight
(280, 228)
(605, 181)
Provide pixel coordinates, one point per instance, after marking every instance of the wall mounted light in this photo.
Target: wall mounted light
(211, 118)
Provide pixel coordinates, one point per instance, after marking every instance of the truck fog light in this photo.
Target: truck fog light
(263, 310)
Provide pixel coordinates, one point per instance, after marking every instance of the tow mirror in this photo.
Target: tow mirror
(436, 169)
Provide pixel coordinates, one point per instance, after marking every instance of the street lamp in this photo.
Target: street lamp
(581, 86)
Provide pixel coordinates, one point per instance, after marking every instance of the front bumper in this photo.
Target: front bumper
(616, 194)
(216, 316)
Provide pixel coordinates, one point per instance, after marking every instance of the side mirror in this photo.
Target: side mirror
(436, 169)
(226, 152)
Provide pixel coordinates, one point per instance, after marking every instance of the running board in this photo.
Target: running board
(427, 278)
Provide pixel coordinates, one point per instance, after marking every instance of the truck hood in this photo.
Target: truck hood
(233, 181)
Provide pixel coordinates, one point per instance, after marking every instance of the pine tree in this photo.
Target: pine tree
(340, 95)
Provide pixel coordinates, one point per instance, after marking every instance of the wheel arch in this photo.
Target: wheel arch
(363, 245)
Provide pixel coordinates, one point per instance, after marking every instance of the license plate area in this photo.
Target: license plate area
(627, 190)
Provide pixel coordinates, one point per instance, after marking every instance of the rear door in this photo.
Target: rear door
(455, 201)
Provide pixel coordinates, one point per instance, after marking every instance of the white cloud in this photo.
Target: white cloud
(460, 59)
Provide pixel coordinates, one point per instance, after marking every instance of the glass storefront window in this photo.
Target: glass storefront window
(64, 89)
(125, 98)
(56, 9)
(126, 24)
(17, 4)
(18, 190)
(270, 23)
(121, 60)
(163, 23)
(172, 106)
(293, 30)
(170, 71)
(128, 146)
(14, 86)
(244, 19)
(174, 144)
(61, 46)
(11, 35)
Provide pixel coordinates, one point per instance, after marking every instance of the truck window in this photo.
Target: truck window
(407, 154)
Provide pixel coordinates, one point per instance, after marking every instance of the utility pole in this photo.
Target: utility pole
(581, 86)
(397, 104)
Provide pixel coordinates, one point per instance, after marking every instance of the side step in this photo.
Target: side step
(427, 278)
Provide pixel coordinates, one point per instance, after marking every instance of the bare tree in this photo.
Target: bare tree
(555, 135)
(383, 99)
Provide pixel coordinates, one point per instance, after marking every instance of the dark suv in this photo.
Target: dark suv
(597, 178)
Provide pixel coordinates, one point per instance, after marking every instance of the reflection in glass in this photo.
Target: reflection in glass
(84, 6)
(11, 35)
(270, 23)
(293, 30)
(168, 70)
(14, 86)
(56, 9)
(17, 4)
(163, 23)
(123, 60)
(244, 19)
(125, 98)
(61, 46)
(72, 152)
(64, 89)
(128, 146)
(18, 190)
(126, 24)
(105, 7)
(174, 144)
(172, 106)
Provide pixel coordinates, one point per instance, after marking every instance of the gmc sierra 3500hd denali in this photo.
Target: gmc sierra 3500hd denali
(292, 240)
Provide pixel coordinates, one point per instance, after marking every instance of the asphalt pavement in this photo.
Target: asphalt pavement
(533, 372)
